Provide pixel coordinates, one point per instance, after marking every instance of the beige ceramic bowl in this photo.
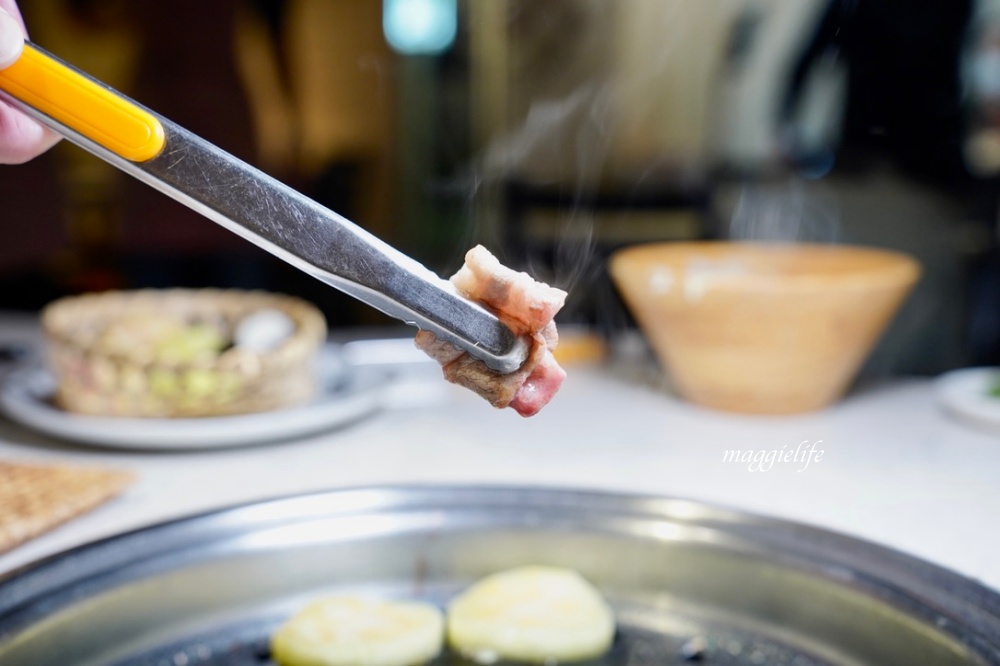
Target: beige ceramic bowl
(762, 328)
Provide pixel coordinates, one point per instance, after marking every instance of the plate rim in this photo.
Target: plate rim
(953, 392)
(361, 394)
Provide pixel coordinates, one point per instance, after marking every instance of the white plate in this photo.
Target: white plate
(347, 394)
(965, 393)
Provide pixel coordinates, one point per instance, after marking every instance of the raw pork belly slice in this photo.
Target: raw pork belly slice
(527, 307)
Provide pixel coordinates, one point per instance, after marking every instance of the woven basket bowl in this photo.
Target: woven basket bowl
(128, 382)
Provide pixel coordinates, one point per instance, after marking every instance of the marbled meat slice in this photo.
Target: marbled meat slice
(538, 389)
(527, 307)
(439, 350)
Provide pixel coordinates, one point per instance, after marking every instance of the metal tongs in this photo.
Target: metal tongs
(252, 204)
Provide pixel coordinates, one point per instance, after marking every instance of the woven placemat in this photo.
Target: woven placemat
(36, 498)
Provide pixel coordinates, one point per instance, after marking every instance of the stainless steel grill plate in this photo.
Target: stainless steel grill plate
(209, 589)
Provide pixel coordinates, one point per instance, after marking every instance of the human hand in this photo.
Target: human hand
(21, 137)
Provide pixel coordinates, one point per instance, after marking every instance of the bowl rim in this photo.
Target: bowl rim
(898, 270)
(58, 320)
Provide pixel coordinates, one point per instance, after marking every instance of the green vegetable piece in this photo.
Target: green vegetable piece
(164, 383)
(200, 382)
(190, 343)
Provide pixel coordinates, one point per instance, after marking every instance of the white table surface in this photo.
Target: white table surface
(894, 469)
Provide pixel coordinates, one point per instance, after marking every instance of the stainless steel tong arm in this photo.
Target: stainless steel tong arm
(275, 217)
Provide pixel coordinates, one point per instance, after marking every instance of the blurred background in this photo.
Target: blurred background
(552, 131)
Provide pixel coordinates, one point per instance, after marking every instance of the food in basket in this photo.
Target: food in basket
(528, 308)
(355, 631)
(163, 338)
(182, 353)
(536, 614)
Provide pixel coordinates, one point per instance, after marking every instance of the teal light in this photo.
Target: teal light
(415, 27)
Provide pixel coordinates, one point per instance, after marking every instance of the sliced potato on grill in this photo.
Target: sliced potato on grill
(354, 631)
(532, 614)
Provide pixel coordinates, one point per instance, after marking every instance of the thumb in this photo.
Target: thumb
(11, 39)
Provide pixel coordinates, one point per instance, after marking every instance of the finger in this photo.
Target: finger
(11, 39)
(10, 6)
(21, 137)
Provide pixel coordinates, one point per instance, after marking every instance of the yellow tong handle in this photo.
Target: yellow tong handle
(84, 105)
